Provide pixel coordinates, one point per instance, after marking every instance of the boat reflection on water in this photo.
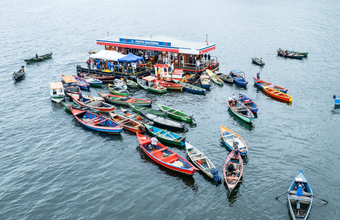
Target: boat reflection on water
(247, 126)
(234, 194)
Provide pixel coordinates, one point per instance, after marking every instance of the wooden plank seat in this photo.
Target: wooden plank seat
(98, 122)
(159, 150)
(169, 159)
(93, 119)
(293, 192)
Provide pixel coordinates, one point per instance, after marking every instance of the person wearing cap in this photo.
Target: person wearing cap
(154, 143)
(231, 168)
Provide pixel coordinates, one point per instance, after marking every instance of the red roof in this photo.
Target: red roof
(161, 65)
(149, 78)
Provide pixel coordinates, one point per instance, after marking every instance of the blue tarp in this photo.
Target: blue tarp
(130, 58)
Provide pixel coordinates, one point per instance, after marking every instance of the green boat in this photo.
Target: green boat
(165, 136)
(175, 114)
(117, 90)
(304, 54)
(67, 108)
(123, 100)
(131, 83)
(214, 77)
(137, 109)
(148, 83)
(39, 59)
(191, 88)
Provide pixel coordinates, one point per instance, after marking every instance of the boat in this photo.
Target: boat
(19, 75)
(165, 136)
(83, 84)
(214, 77)
(93, 82)
(165, 157)
(135, 117)
(149, 83)
(124, 100)
(128, 123)
(117, 90)
(39, 58)
(75, 106)
(336, 100)
(162, 122)
(287, 54)
(191, 88)
(224, 77)
(304, 54)
(137, 109)
(120, 83)
(240, 110)
(277, 94)
(131, 83)
(70, 85)
(96, 122)
(239, 77)
(91, 103)
(257, 61)
(261, 83)
(175, 114)
(300, 205)
(231, 138)
(57, 92)
(205, 81)
(170, 85)
(248, 102)
(103, 78)
(231, 179)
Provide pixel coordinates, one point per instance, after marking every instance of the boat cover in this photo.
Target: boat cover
(107, 55)
(130, 58)
(69, 79)
(56, 85)
(149, 78)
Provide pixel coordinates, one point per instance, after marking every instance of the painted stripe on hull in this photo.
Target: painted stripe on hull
(242, 117)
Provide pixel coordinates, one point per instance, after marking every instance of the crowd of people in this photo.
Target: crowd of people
(115, 66)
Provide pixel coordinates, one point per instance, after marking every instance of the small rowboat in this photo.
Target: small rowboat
(123, 100)
(75, 106)
(291, 55)
(261, 83)
(300, 203)
(230, 138)
(200, 160)
(239, 77)
(175, 114)
(165, 157)
(161, 122)
(128, 123)
(165, 136)
(248, 102)
(170, 85)
(241, 111)
(70, 85)
(91, 103)
(224, 77)
(137, 109)
(191, 88)
(117, 90)
(57, 92)
(82, 83)
(304, 54)
(150, 83)
(96, 122)
(19, 75)
(120, 83)
(257, 61)
(214, 77)
(277, 94)
(131, 83)
(205, 81)
(39, 59)
(93, 82)
(232, 178)
(103, 78)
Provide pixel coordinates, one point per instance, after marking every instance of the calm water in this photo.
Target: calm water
(53, 168)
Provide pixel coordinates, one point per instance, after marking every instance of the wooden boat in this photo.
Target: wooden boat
(91, 103)
(214, 77)
(241, 111)
(57, 92)
(336, 100)
(128, 123)
(287, 54)
(300, 205)
(135, 117)
(19, 75)
(239, 77)
(75, 106)
(123, 100)
(248, 102)
(224, 77)
(304, 54)
(165, 136)
(170, 85)
(230, 137)
(261, 83)
(277, 94)
(120, 83)
(191, 88)
(117, 90)
(205, 80)
(232, 179)
(93, 82)
(96, 122)
(131, 83)
(39, 59)
(83, 84)
(165, 157)
(137, 109)
(149, 83)
(162, 122)
(175, 114)
(103, 78)
(92, 52)
(257, 61)
(70, 85)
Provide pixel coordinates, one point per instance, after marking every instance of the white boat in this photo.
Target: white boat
(120, 83)
(57, 92)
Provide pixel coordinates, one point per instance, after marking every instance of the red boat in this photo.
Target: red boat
(92, 103)
(170, 85)
(232, 178)
(166, 157)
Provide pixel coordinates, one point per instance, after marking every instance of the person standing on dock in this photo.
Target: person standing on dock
(209, 57)
(88, 65)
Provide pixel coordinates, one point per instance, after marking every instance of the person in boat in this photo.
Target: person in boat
(22, 69)
(258, 76)
(154, 143)
(299, 189)
(88, 65)
(231, 169)
(81, 98)
(36, 56)
(233, 100)
(261, 60)
(236, 149)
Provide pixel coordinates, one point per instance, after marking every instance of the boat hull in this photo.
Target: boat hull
(244, 117)
(243, 149)
(277, 94)
(153, 131)
(39, 59)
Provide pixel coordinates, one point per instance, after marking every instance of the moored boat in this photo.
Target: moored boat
(128, 123)
(93, 82)
(117, 90)
(240, 111)
(123, 100)
(170, 85)
(214, 77)
(19, 75)
(261, 83)
(91, 103)
(70, 85)
(232, 178)
(257, 61)
(39, 58)
(103, 78)
(191, 88)
(150, 83)
(277, 94)
(120, 83)
(162, 122)
(288, 54)
(137, 109)
(76, 106)
(205, 80)
(82, 83)
(131, 83)
(248, 102)
(57, 92)
(231, 139)
(175, 114)
(165, 136)
(304, 54)
(239, 77)
(224, 77)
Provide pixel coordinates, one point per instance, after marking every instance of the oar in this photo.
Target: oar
(321, 199)
(281, 195)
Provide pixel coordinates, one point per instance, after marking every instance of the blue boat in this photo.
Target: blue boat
(336, 100)
(300, 197)
(231, 139)
(248, 102)
(83, 84)
(239, 77)
(191, 88)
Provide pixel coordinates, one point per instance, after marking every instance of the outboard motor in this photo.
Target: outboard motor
(217, 177)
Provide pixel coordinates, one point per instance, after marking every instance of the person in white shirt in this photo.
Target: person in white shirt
(154, 143)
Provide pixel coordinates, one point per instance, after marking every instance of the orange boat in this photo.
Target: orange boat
(277, 94)
(128, 123)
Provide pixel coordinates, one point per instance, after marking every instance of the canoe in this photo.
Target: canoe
(205, 81)
(304, 54)
(170, 85)
(39, 59)
(135, 117)
(277, 94)
(175, 114)
(165, 157)
(224, 77)
(131, 83)
(261, 83)
(70, 85)
(257, 61)
(291, 55)
(150, 85)
(103, 78)
(161, 122)
(137, 109)
(300, 205)
(82, 83)
(230, 137)
(93, 82)
(200, 160)
(75, 106)
(248, 102)
(232, 179)
(241, 111)
(191, 88)
(117, 90)
(91, 103)
(128, 123)
(96, 122)
(165, 136)
(239, 77)
(57, 92)
(120, 83)
(19, 75)
(123, 100)
(214, 77)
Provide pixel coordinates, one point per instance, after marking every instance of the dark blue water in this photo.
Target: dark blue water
(53, 168)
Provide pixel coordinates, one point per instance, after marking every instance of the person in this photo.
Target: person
(36, 56)
(233, 99)
(231, 168)
(81, 98)
(88, 65)
(125, 79)
(198, 64)
(166, 60)
(190, 59)
(146, 57)
(154, 143)
(261, 60)
(236, 149)
(299, 189)
(205, 57)
(209, 57)
(258, 76)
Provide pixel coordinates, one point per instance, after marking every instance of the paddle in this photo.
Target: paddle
(280, 195)
(321, 199)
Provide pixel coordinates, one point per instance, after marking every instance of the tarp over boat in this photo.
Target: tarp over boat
(69, 79)
(149, 78)
(107, 55)
(56, 85)
(130, 58)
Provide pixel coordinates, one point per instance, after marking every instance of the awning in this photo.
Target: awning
(161, 65)
(56, 85)
(107, 55)
(130, 58)
(149, 78)
(69, 79)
